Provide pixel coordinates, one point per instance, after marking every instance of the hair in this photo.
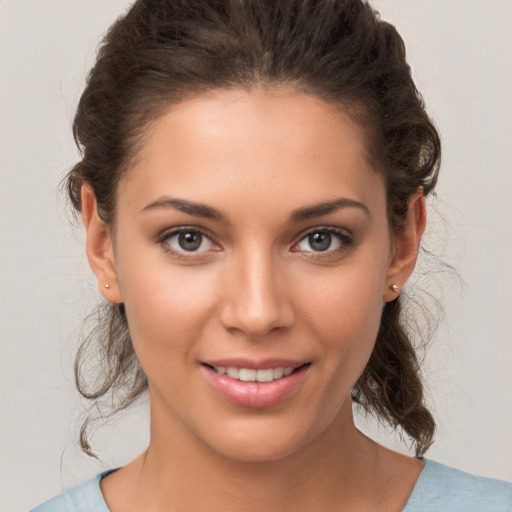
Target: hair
(163, 51)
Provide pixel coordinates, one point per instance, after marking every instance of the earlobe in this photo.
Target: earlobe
(406, 246)
(99, 247)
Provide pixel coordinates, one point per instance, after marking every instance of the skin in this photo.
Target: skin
(255, 289)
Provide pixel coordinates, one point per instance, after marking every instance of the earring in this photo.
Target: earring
(395, 288)
(107, 285)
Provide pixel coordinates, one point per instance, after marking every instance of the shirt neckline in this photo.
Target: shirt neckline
(420, 483)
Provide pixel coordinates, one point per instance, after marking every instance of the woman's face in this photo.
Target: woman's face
(251, 240)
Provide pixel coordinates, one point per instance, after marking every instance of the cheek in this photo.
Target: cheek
(167, 307)
(344, 310)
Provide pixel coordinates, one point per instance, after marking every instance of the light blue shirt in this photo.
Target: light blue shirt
(438, 489)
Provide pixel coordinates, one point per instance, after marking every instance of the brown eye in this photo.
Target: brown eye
(324, 240)
(190, 241)
(320, 241)
(187, 240)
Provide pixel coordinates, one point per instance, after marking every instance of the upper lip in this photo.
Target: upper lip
(254, 364)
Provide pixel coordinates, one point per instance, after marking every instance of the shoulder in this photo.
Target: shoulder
(444, 489)
(86, 497)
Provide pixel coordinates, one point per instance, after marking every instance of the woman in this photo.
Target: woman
(253, 189)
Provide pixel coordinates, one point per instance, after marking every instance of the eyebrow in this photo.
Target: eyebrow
(189, 207)
(208, 212)
(318, 210)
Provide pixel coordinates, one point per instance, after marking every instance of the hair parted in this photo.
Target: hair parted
(163, 51)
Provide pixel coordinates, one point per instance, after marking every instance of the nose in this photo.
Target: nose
(255, 299)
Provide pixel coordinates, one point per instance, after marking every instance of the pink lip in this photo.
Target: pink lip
(255, 394)
(252, 364)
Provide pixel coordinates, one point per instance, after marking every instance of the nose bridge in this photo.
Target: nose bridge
(255, 301)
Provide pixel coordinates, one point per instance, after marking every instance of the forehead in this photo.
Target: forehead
(251, 143)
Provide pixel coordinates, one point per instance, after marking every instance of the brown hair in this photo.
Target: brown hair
(162, 51)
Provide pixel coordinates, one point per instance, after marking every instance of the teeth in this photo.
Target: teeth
(232, 372)
(247, 375)
(250, 375)
(278, 373)
(265, 375)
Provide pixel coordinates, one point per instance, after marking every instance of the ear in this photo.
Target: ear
(99, 247)
(406, 244)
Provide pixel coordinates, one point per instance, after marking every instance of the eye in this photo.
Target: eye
(323, 240)
(187, 240)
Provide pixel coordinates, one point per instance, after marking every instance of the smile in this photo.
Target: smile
(251, 375)
(256, 387)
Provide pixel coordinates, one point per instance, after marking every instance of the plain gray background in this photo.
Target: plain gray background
(461, 54)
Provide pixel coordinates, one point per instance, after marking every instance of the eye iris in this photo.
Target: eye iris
(320, 241)
(190, 241)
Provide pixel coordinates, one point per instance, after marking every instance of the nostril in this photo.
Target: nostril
(254, 297)
(254, 319)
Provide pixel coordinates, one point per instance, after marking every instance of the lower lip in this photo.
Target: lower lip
(255, 394)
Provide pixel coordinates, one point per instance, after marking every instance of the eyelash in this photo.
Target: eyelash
(342, 237)
(164, 238)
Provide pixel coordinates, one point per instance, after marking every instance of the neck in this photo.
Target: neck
(339, 466)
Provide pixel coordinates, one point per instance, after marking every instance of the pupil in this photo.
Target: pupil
(320, 241)
(190, 241)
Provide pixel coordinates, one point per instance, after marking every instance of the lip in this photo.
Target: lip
(255, 394)
(253, 364)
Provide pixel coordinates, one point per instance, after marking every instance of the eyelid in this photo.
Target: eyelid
(343, 235)
(171, 232)
(341, 232)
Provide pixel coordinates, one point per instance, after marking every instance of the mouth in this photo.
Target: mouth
(265, 386)
(253, 375)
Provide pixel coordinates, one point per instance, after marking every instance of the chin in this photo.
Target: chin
(262, 441)
(268, 450)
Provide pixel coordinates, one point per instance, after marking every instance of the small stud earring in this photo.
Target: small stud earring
(395, 288)
(107, 285)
